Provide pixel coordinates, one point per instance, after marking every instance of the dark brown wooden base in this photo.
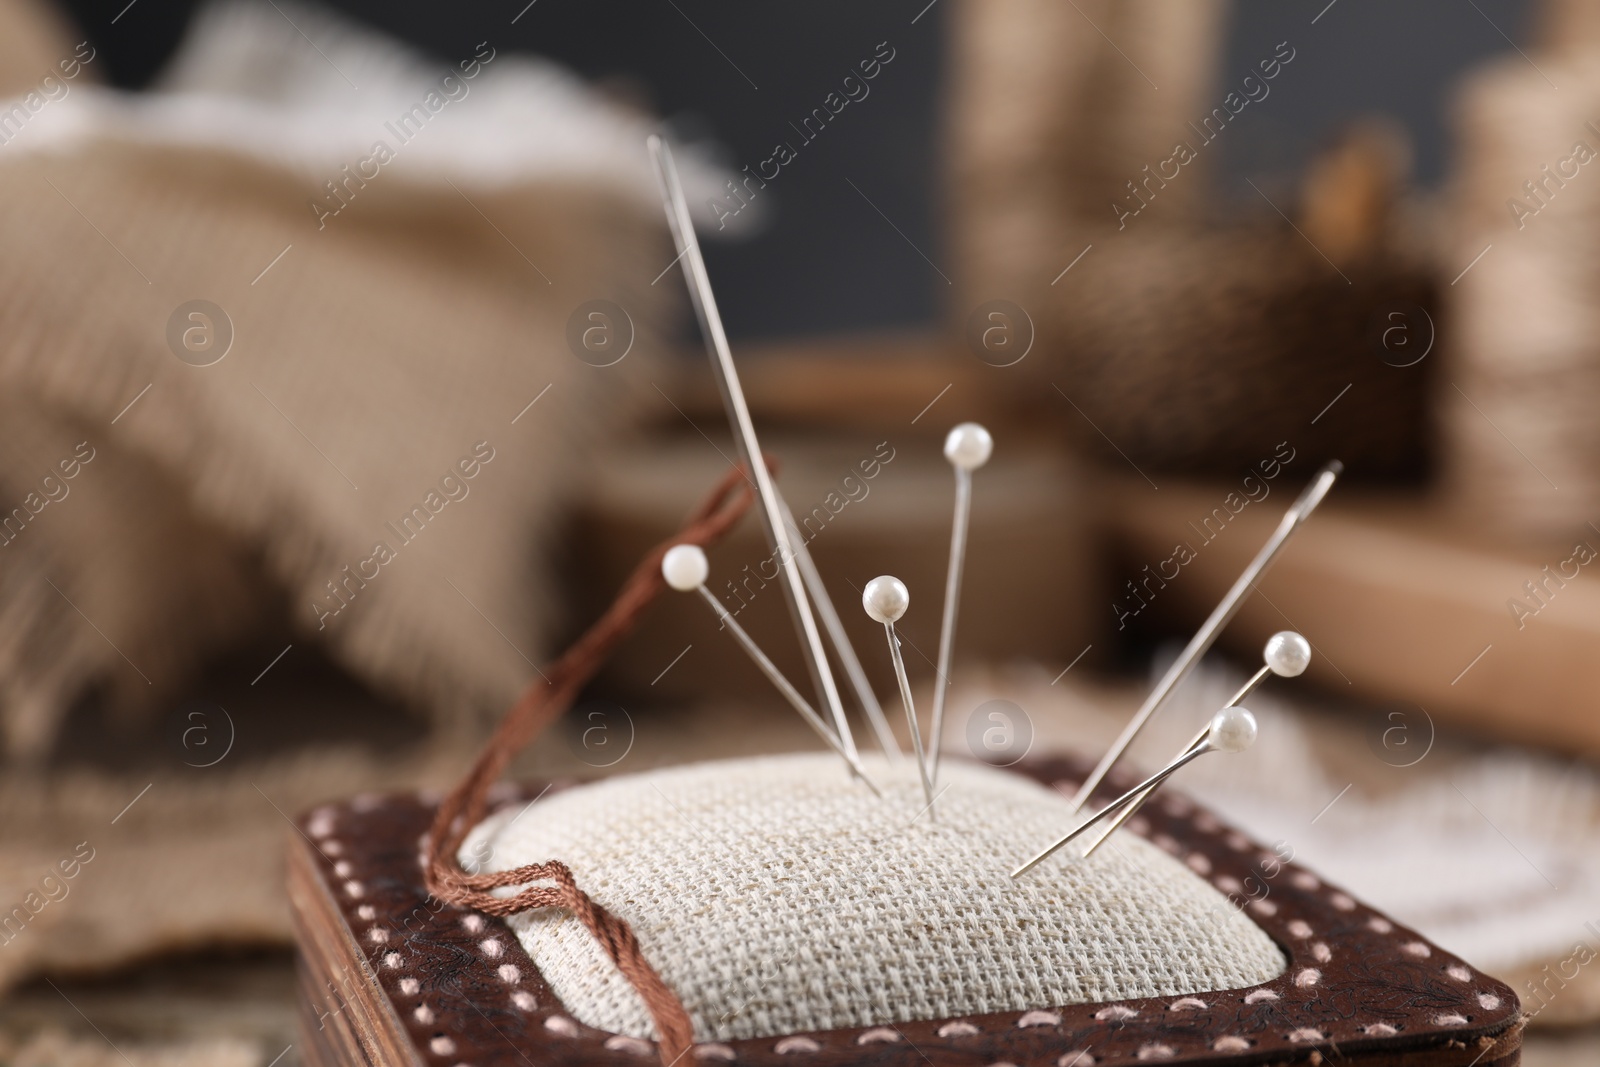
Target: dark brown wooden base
(390, 976)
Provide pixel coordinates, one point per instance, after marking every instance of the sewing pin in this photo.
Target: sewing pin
(885, 599)
(744, 433)
(1287, 655)
(685, 568)
(1298, 512)
(967, 447)
(1231, 729)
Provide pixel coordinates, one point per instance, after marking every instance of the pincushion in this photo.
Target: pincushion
(772, 897)
(775, 895)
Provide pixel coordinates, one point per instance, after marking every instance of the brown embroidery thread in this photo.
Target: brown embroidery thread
(540, 705)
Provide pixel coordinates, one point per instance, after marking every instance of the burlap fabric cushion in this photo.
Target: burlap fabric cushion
(358, 449)
(774, 895)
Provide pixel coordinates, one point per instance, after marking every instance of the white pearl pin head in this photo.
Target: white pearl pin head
(885, 599)
(1232, 730)
(1287, 654)
(968, 446)
(685, 567)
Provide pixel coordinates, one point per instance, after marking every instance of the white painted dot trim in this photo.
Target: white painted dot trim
(331, 847)
(791, 1045)
(443, 1046)
(366, 802)
(1488, 1001)
(321, 824)
(638, 1046)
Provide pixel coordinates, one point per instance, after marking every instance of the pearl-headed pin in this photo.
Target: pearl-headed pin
(967, 447)
(1297, 514)
(1287, 655)
(886, 599)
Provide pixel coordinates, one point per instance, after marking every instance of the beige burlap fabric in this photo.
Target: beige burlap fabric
(363, 451)
(775, 895)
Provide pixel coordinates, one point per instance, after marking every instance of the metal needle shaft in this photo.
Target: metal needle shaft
(947, 627)
(911, 713)
(1207, 634)
(705, 305)
(1133, 806)
(1146, 786)
(840, 640)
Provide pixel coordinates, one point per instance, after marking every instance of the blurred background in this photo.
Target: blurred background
(346, 370)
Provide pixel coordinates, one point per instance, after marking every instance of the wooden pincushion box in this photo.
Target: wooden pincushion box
(392, 976)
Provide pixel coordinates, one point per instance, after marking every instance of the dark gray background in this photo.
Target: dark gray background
(827, 262)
